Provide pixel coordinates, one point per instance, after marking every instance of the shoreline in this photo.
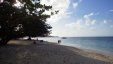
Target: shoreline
(92, 50)
(92, 54)
(25, 52)
(99, 51)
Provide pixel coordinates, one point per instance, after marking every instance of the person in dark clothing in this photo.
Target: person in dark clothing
(34, 42)
(59, 41)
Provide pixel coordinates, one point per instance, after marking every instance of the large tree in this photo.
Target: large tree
(26, 19)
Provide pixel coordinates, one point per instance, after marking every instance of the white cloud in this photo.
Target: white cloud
(88, 20)
(93, 22)
(84, 22)
(104, 21)
(61, 5)
(75, 4)
(111, 10)
(75, 25)
(88, 15)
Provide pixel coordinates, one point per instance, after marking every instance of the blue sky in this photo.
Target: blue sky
(81, 17)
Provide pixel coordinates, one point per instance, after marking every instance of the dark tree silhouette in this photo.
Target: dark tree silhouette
(25, 20)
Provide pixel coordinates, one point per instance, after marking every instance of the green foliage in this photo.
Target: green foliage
(25, 20)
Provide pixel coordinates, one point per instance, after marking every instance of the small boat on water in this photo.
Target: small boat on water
(64, 38)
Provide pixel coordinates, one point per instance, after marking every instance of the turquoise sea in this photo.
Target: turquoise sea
(99, 44)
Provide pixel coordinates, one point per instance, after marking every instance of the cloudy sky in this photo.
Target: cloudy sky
(81, 17)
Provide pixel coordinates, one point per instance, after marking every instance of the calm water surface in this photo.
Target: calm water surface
(100, 44)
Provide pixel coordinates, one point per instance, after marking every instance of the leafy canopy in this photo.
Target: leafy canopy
(26, 19)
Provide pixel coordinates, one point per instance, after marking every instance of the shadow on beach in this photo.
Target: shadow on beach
(42, 54)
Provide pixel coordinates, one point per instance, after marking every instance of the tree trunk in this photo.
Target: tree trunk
(29, 37)
(4, 41)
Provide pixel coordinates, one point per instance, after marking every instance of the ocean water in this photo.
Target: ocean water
(100, 44)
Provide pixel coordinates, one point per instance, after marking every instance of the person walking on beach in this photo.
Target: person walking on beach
(59, 41)
(34, 42)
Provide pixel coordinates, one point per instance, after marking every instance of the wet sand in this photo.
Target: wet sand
(25, 52)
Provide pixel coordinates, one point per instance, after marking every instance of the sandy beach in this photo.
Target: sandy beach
(25, 52)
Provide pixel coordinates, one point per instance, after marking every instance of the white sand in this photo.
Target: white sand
(25, 52)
